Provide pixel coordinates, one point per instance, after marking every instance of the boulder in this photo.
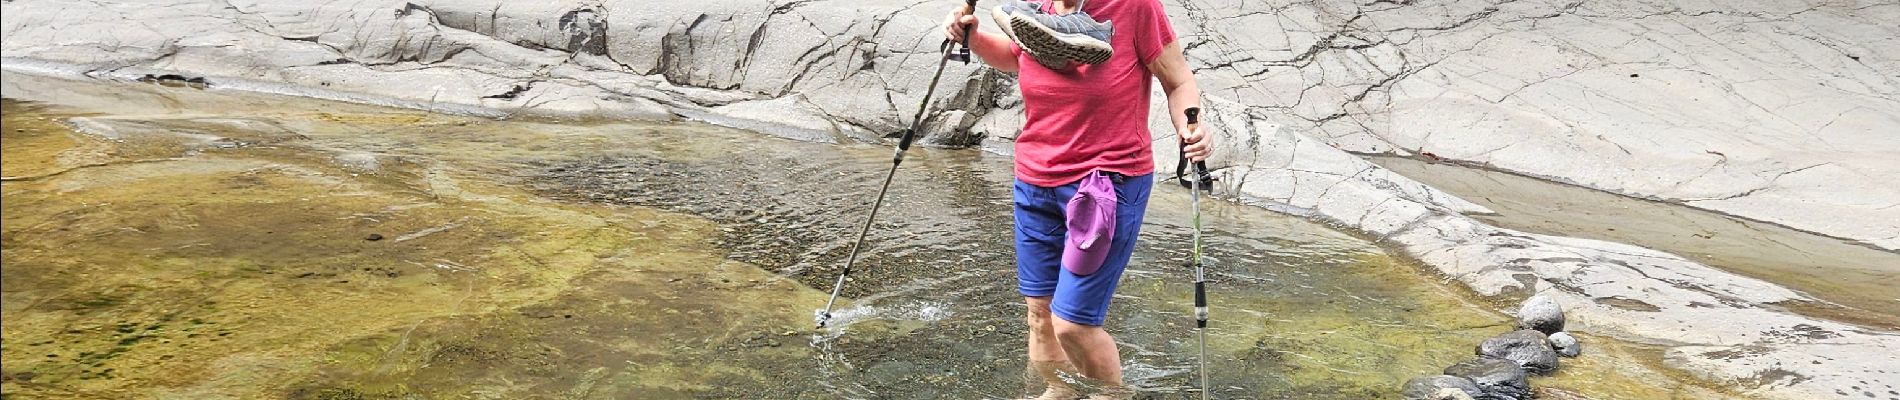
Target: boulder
(1565, 344)
(1440, 387)
(1528, 348)
(1497, 379)
(1542, 314)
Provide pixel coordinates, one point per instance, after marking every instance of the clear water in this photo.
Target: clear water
(201, 244)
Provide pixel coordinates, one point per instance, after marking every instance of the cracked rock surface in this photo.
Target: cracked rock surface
(1776, 110)
(1783, 111)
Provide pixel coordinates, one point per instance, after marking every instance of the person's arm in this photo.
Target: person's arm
(1177, 81)
(995, 49)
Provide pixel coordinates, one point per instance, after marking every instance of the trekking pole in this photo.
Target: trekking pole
(902, 145)
(1200, 277)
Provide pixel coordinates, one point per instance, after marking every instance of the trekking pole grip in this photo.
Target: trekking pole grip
(969, 8)
(1193, 124)
(963, 53)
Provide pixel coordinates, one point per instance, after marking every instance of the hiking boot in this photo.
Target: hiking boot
(1074, 36)
(1001, 14)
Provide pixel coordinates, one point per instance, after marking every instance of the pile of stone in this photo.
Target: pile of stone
(1505, 362)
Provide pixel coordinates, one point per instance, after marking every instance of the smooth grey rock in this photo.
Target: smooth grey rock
(1542, 314)
(1566, 345)
(1508, 99)
(1497, 379)
(1528, 348)
(1453, 394)
(791, 117)
(566, 25)
(1440, 387)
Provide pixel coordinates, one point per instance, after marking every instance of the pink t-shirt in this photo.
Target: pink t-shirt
(1089, 117)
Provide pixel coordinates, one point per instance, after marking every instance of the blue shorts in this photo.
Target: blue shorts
(1041, 228)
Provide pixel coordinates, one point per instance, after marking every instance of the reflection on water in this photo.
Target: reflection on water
(198, 244)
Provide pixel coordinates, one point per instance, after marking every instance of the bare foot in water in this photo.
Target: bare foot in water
(1057, 393)
(1049, 374)
(1114, 394)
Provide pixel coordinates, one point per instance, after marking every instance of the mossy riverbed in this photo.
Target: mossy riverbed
(195, 244)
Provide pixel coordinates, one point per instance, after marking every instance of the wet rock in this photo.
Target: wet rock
(1550, 393)
(1565, 344)
(1528, 348)
(1542, 314)
(1453, 394)
(1440, 387)
(1498, 379)
(359, 162)
(175, 80)
(792, 117)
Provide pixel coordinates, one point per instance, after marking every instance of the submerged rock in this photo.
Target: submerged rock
(1542, 314)
(1453, 394)
(1565, 344)
(1498, 379)
(1440, 387)
(1528, 348)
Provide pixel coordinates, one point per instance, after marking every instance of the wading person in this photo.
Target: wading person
(1084, 164)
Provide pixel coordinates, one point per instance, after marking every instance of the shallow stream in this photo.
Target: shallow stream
(205, 244)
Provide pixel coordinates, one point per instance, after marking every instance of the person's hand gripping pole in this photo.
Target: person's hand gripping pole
(962, 53)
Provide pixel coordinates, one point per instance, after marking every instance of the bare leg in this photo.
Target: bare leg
(1046, 357)
(1094, 353)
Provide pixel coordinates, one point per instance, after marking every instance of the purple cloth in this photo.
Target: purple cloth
(1091, 223)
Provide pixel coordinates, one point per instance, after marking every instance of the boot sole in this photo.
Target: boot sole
(1002, 19)
(1082, 49)
(1002, 22)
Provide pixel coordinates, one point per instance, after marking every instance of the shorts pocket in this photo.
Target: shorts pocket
(1034, 218)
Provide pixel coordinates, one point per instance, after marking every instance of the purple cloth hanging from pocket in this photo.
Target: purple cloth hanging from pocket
(1091, 223)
